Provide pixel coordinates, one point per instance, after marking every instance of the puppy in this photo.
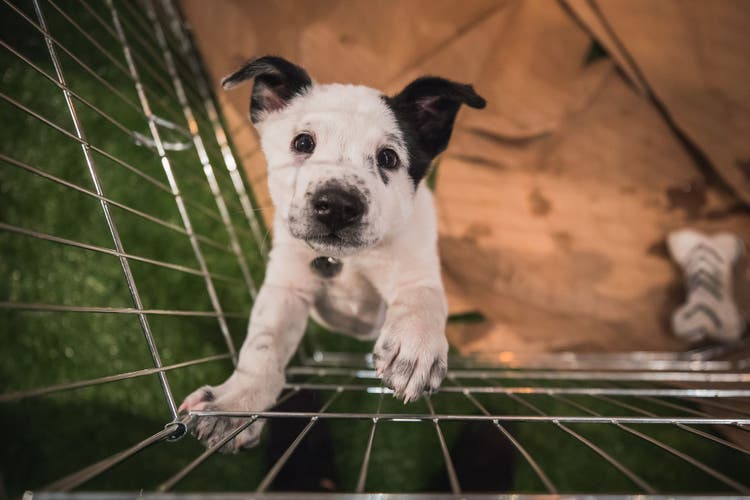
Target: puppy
(355, 236)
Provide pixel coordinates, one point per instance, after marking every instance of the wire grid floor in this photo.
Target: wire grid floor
(524, 413)
(701, 403)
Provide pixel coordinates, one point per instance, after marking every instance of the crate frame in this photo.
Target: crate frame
(720, 386)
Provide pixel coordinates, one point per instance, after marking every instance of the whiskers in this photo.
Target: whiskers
(235, 209)
(265, 236)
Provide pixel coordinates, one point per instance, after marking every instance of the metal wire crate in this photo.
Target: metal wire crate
(633, 423)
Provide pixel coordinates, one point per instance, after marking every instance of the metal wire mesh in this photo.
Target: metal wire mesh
(637, 423)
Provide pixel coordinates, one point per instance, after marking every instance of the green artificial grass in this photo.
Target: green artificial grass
(50, 436)
(59, 434)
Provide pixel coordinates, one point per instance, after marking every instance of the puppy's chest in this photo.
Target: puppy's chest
(346, 291)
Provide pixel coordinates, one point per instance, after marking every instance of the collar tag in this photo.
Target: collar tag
(326, 267)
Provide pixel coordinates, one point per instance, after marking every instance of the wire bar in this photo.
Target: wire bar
(640, 376)
(42, 391)
(273, 472)
(609, 458)
(82, 141)
(108, 251)
(90, 38)
(109, 156)
(687, 428)
(191, 56)
(154, 60)
(469, 417)
(182, 473)
(150, 67)
(201, 151)
(362, 479)
(526, 455)
(143, 33)
(296, 495)
(77, 479)
(612, 391)
(176, 28)
(637, 360)
(78, 61)
(692, 411)
(130, 133)
(152, 71)
(173, 183)
(741, 488)
(34, 306)
(236, 178)
(452, 477)
(114, 203)
(145, 327)
(687, 458)
(718, 404)
(673, 406)
(705, 402)
(102, 50)
(632, 476)
(160, 59)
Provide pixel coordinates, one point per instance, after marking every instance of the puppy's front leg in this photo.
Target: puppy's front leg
(412, 350)
(276, 326)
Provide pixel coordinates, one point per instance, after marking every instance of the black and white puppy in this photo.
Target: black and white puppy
(355, 236)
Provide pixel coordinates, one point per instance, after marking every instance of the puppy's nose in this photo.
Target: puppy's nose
(337, 209)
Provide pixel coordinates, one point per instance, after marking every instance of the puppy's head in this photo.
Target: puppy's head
(345, 161)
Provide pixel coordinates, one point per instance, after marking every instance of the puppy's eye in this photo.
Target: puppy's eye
(304, 143)
(387, 159)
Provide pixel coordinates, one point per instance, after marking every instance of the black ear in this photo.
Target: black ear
(276, 82)
(429, 105)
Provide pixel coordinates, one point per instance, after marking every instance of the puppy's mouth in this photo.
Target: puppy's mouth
(333, 243)
(325, 241)
(334, 240)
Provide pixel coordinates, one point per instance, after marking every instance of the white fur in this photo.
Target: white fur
(391, 284)
(349, 123)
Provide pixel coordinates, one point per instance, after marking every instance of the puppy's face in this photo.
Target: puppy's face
(338, 163)
(345, 161)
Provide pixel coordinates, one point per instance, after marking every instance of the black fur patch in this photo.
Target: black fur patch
(425, 111)
(419, 160)
(276, 82)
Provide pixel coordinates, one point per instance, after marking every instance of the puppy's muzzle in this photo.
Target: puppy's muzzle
(337, 208)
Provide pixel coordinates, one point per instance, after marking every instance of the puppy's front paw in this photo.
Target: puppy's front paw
(238, 393)
(411, 363)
